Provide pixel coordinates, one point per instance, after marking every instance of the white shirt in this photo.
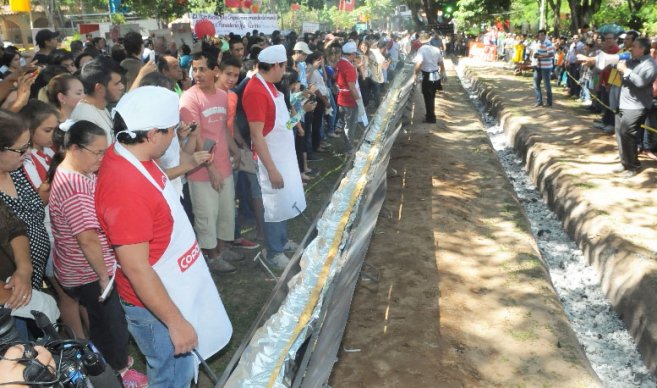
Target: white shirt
(171, 159)
(101, 117)
(429, 57)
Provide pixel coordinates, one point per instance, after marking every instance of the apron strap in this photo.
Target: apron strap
(127, 155)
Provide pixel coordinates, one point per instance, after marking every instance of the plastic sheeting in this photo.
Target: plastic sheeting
(298, 343)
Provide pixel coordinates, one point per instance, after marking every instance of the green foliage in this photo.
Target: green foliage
(206, 6)
(118, 18)
(339, 19)
(162, 10)
(471, 14)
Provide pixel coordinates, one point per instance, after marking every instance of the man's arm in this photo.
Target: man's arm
(354, 92)
(641, 76)
(150, 290)
(258, 141)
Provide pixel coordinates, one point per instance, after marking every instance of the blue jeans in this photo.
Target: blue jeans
(275, 237)
(163, 368)
(544, 75)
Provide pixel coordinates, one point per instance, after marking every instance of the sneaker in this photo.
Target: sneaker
(133, 379)
(291, 246)
(279, 261)
(221, 266)
(334, 135)
(608, 129)
(229, 255)
(245, 244)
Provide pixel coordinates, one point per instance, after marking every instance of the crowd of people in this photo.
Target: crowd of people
(612, 73)
(127, 168)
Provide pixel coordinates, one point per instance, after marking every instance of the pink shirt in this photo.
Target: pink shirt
(72, 212)
(209, 110)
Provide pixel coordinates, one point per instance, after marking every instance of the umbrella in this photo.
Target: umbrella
(611, 29)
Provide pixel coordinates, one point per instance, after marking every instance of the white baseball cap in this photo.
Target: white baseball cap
(148, 107)
(303, 47)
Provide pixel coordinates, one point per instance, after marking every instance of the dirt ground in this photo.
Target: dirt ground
(463, 298)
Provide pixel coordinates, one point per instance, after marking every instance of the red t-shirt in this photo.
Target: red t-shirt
(258, 104)
(132, 211)
(345, 74)
(72, 212)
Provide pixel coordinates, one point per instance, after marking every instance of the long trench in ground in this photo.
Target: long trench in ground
(479, 285)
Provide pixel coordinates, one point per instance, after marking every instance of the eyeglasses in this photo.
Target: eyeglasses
(97, 154)
(22, 150)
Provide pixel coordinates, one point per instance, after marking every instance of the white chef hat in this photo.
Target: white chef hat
(273, 54)
(148, 107)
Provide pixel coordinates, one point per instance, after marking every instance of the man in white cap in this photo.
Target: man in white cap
(273, 143)
(170, 300)
(348, 93)
(429, 61)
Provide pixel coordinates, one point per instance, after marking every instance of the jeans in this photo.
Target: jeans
(349, 117)
(650, 141)
(275, 237)
(334, 116)
(164, 370)
(544, 75)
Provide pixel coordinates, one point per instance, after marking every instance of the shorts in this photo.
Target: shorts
(214, 212)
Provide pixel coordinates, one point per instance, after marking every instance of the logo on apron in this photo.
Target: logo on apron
(188, 258)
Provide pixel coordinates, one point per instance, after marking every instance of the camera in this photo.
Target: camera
(78, 363)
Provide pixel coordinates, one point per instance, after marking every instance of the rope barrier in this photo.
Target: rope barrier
(605, 105)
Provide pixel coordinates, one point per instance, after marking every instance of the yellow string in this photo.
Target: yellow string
(304, 318)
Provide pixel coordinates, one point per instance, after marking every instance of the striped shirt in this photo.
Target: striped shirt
(543, 48)
(72, 211)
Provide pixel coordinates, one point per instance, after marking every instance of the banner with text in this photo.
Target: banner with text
(239, 23)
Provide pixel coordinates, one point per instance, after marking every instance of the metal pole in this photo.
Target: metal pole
(541, 23)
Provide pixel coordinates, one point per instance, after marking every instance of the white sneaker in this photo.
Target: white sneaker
(279, 261)
(290, 246)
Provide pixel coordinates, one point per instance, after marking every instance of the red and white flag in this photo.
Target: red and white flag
(347, 5)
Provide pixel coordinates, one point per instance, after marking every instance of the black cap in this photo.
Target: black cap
(43, 35)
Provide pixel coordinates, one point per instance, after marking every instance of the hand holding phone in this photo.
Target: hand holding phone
(208, 145)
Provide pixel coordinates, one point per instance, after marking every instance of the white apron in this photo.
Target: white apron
(290, 201)
(185, 275)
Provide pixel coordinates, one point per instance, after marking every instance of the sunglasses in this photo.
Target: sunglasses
(21, 151)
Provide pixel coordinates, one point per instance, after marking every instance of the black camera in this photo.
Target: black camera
(78, 363)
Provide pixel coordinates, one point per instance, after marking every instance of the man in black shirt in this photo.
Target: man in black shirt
(47, 42)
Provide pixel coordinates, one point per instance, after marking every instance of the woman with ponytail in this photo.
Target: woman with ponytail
(83, 258)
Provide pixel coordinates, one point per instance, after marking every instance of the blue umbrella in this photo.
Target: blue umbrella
(611, 29)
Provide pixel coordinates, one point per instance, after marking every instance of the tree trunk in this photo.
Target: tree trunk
(415, 16)
(581, 12)
(430, 9)
(555, 5)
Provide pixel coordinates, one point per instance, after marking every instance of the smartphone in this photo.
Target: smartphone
(208, 145)
(151, 56)
(192, 127)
